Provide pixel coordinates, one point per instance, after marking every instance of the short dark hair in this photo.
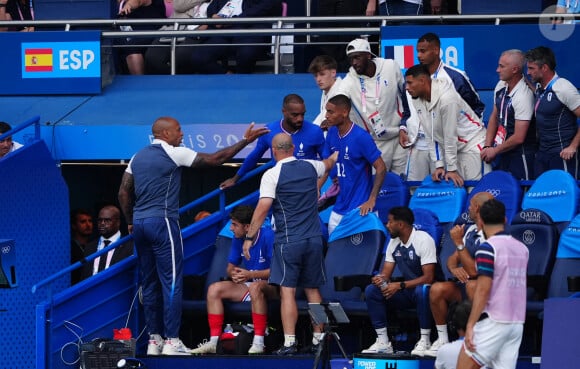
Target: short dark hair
(459, 315)
(431, 38)
(542, 55)
(76, 212)
(403, 213)
(292, 99)
(322, 62)
(418, 70)
(341, 100)
(242, 214)
(4, 127)
(492, 212)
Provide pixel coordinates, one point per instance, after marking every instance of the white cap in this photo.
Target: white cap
(359, 45)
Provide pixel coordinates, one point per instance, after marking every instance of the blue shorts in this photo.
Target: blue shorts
(298, 264)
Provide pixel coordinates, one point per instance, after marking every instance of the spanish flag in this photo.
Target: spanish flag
(38, 60)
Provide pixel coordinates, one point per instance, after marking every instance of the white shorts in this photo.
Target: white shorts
(496, 344)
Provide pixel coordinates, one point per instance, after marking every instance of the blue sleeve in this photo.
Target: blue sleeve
(484, 259)
(262, 145)
(369, 148)
(467, 91)
(235, 256)
(320, 143)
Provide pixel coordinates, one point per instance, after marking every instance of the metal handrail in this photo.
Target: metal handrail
(185, 208)
(35, 120)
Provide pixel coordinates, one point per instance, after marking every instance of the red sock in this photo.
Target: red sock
(216, 321)
(260, 322)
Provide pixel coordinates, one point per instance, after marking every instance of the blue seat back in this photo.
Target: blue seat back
(219, 262)
(539, 233)
(443, 198)
(555, 192)
(448, 246)
(567, 260)
(504, 187)
(426, 220)
(352, 252)
(394, 192)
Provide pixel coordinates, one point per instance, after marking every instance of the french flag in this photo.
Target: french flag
(404, 55)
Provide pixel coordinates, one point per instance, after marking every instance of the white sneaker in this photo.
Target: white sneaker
(174, 346)
(155, 345)
(420, 348)
(206, 347)
(256, 349)
(379, 348)
(435, 346)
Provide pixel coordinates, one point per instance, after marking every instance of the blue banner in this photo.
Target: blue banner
(44, 63)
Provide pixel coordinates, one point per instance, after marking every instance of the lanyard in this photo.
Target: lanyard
(363, 92)
(548, 87)
(503, 114)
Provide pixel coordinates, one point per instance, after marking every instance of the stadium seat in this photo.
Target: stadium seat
(357, 238)
(556, 193)
(426, 220)
(447, 246)
(394, 192)
(567, 262)
(504, 187)
(442, 198)
(538, 232)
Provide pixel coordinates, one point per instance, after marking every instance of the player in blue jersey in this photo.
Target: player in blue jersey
(357, 156)
(307, 137)
(557, 109)
(247, 282)
(290, 189)
(149, 197)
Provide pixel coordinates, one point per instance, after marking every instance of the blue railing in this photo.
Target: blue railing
(35, 120)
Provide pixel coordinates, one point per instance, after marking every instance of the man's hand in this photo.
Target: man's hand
(457, 234)
(230, 182)
(568, 153)
(251, 134)
(488, 154)
(460, 274)
(469, 344)
(390, 290)
(130, 228)
(240, 275)
(404, 139)
(367, 207)
(246, 248)
(455, 177)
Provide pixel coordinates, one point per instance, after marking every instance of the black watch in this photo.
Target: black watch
(403, 285)
(248, 238)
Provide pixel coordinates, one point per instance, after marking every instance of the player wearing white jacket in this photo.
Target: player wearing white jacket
(456, 134)
(379, 105)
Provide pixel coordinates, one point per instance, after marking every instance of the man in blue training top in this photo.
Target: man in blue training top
(290, 189)
(357, 156)
(149, 198)
(307, 137)
(248, 281)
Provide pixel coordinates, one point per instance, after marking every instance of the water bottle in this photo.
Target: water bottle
(228, 328)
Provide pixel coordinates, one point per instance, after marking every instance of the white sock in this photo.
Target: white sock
(214, 339)
(258, 340)
(316, 338)
(442, 333)
(425, 336)
(289, 340)
(382, 336)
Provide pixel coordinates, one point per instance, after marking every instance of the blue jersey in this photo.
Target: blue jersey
(308, 144)
(260, 253)
(555, 116)
(356, 154)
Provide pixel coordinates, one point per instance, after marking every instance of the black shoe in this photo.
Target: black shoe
(287, 350)
(311, 349)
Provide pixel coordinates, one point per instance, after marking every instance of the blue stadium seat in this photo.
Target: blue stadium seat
(394, 192)
(447, 246)
(426, 220)
(504, 187)
(443, 198)
(538, 232)
(354, 254)
(567, 260)
(556, 193)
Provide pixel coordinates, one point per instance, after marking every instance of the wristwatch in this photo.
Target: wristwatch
(403, 285)
(248, 238)
(461, 247)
